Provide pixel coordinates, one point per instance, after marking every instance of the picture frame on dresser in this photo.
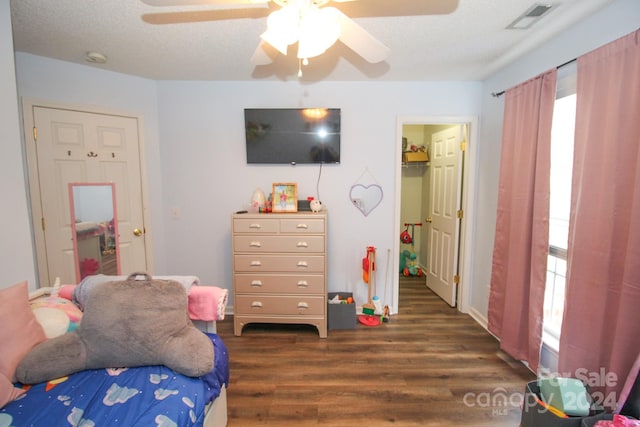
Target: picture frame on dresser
(284, 197)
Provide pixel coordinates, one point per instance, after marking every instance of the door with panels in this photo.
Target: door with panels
(70, 146)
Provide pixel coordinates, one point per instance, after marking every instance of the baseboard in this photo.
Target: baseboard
(478, 317)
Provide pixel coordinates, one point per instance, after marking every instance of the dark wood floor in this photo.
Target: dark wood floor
(428, 366)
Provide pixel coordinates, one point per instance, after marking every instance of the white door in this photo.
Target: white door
(78, 146)
(442, 222)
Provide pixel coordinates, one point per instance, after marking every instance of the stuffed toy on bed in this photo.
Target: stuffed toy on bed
(135, 322)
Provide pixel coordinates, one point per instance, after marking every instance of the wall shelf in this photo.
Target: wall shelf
(415, 164)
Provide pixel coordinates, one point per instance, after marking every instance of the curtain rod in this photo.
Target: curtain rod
(499, 94)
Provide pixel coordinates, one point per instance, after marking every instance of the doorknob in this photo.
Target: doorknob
(137, 232)
(428, 219)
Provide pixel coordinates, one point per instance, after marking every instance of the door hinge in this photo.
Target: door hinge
(460, 214)
(42, 221)
(456, 279)
(35, 133)
(463, 145)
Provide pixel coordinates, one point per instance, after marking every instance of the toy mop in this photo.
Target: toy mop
(368, 275)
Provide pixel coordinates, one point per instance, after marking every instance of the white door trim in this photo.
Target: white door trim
(469, 194)
(34, 198)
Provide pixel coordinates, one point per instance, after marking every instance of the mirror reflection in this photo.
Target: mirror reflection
(365, 197)
(94, 227)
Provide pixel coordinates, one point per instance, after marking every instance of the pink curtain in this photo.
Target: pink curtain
(522, 227)
(601, 326)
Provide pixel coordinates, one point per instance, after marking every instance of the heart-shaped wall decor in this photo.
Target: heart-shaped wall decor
(365, 197)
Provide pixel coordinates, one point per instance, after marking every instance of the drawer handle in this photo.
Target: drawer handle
(303, 305)
(302, 264)
(255, 264)
(256, 304)
(256, 283)
(256, 226)
(303, 284)
(302, 226)
(302, 245)
(255, 244)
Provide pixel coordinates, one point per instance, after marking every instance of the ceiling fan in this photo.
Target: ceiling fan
(311, 24)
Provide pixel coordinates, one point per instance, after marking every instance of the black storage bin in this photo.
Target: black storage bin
(341, 316)
(536, 415)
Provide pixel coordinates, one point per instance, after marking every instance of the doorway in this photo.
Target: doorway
(440, 248)
(67, 145)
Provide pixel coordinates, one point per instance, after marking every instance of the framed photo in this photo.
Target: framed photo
(284, 197)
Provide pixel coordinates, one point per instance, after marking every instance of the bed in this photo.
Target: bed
(153, 395)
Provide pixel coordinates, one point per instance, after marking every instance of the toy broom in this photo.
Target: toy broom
(369, 266)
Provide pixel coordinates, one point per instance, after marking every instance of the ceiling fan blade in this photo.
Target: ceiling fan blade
(263, 55)
(360, 41)
(202, 16)
(214, 4)
(385, 8)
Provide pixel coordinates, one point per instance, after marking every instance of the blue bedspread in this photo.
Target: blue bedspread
(143, 396)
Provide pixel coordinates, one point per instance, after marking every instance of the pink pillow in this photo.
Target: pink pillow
(20, 332)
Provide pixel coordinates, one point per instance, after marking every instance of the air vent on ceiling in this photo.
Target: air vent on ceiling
(530, 17)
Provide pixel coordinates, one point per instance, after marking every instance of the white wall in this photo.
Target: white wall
(618, 19)
(16, 253)
(207, 178)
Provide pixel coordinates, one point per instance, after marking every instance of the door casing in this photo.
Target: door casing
(468, 225)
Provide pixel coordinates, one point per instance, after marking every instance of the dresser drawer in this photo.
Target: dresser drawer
(302, 225)
(294, 264)
(279, 283)
(261, 243)
(260, 225)
(279, 305)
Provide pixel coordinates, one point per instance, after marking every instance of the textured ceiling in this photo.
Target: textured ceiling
(468, 43)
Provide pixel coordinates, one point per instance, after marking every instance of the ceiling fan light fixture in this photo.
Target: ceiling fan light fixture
(319, 30)
(282, 29)
(274, 40)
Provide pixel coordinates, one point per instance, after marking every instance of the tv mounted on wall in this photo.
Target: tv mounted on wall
(292, 135)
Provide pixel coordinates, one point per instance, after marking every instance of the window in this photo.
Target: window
(562, 136)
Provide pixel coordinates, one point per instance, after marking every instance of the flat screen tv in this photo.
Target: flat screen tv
(292, 135)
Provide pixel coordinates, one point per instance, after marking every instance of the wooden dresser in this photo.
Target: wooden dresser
(280, 269)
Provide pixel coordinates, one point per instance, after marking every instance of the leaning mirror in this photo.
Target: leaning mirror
(94, 228)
